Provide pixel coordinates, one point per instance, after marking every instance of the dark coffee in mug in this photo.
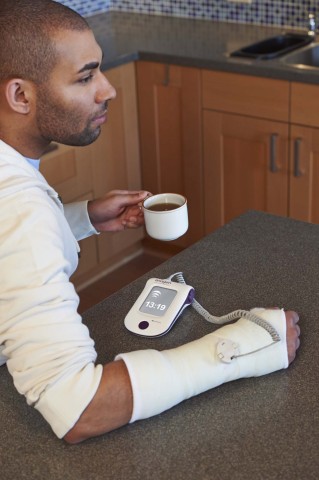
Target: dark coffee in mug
(163, 207)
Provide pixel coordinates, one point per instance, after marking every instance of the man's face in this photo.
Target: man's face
(72, 105)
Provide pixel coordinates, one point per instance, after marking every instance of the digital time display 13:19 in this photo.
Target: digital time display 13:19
(158, 301)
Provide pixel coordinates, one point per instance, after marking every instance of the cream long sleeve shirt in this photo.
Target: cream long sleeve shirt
(47, 349)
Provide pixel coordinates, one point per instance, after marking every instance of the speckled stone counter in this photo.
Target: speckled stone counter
(261, 428)
(126, 37)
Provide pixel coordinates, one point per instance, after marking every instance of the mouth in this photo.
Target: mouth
(101, 118)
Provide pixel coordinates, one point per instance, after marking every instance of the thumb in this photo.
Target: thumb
(135, 198)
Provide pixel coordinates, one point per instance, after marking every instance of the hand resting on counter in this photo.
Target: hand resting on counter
(144, 383)
(292, 335)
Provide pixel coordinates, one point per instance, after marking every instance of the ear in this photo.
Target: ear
(19, 94)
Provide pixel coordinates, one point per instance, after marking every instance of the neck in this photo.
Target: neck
(26, 145)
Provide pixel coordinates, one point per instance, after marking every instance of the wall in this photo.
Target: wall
(270, 12)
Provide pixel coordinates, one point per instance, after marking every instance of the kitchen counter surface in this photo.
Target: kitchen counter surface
(125, 37)
(262, 428)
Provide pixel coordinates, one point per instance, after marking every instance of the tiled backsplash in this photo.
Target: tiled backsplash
(291, 13)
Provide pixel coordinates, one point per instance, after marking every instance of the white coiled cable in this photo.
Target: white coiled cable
(178, 277)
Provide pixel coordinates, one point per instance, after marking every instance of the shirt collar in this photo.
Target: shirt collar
(34, 162)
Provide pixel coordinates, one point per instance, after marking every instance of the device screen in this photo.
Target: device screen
(158, 301)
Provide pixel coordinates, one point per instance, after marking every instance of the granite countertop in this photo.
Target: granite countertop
(261, 428)
(125, 37)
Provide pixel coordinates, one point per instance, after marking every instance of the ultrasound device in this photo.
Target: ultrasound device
(163, 300)
(158, 307)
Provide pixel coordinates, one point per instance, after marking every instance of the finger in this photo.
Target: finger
(123, 192)
(292, 316)
(133, 211)
(133, 222)
(127, 226)
(135, 199)
(292, 319)
(140, 204)
(132, 218)
(292, 325)
(297, 329)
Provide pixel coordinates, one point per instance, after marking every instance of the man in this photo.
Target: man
(51, 89)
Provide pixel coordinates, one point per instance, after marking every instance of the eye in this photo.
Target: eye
(86, 79)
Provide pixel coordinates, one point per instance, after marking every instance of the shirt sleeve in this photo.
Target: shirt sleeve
(78, 218)
(48, 350)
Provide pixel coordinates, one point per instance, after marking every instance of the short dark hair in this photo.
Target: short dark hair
(27, 29)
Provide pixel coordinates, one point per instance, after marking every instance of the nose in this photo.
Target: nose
(106, 91)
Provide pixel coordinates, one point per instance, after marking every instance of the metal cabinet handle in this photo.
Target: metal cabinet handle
(273, 153)
(297, 171)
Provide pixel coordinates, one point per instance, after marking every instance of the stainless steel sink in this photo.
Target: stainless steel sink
(274, 47)
(307, 57)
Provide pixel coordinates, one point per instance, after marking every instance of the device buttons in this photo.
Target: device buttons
(143, 325)
(190, 296)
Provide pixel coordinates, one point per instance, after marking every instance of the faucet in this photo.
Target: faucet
(311, 25)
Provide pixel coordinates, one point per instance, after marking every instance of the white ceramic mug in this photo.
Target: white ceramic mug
(166, 216)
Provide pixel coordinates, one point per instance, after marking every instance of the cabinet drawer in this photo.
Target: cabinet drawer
(305, 104)
(246, 95)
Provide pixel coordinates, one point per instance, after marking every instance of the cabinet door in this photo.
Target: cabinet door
(68, 170)
(304, 174)
(170, 137)
(245, 167)
(116, 160)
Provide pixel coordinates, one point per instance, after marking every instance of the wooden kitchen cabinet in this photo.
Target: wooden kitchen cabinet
(227, 142)
(246, 95)
(116, 160)
(170, 124)
(245, 165)
(69, 171)
(112, 162)
(246, 143)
